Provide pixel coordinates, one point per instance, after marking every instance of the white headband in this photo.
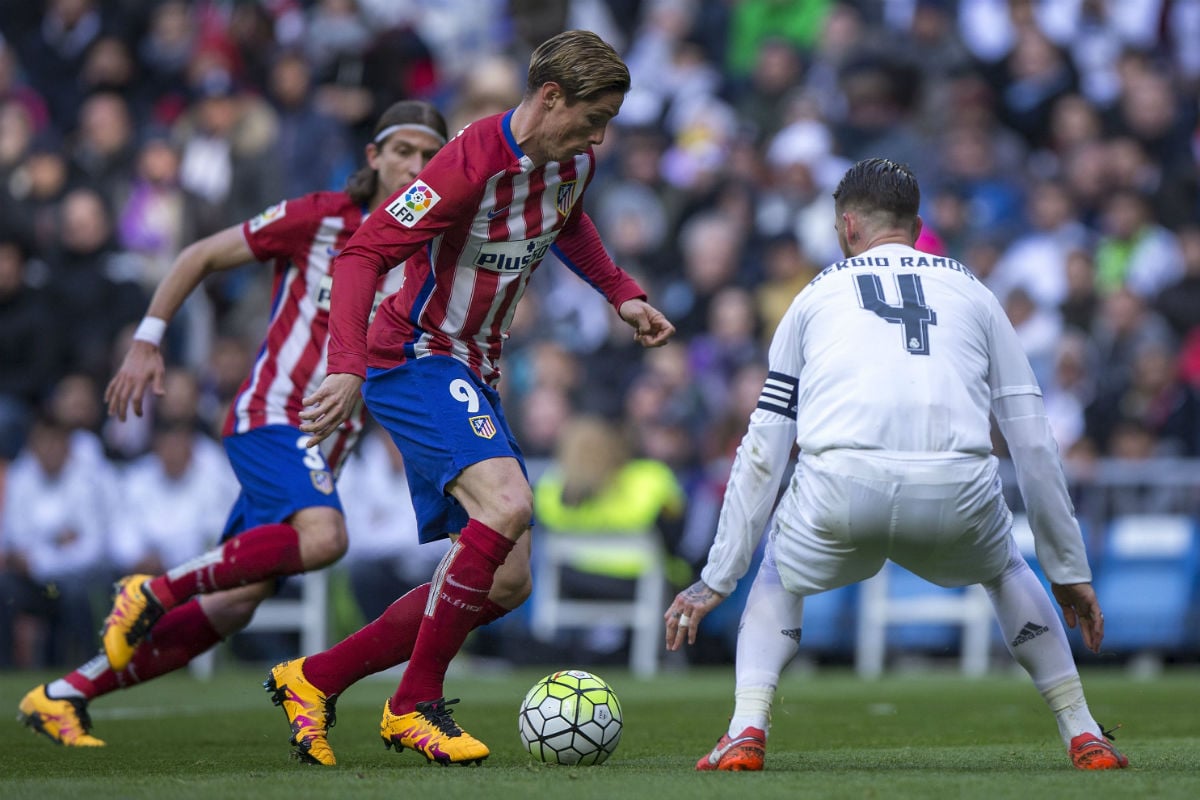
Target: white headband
(408, 126)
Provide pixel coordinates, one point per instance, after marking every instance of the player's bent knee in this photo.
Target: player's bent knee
(230, 611)
(323, 537)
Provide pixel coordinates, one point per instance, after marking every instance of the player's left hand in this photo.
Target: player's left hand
(1080, 607)
(330, 405)
(652, 328)
(689, 607)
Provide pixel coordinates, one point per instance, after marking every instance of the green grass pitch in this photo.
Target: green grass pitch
(929, 735)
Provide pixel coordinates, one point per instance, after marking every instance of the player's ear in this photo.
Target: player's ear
(918, 224)
(373, 152)
(552, 94)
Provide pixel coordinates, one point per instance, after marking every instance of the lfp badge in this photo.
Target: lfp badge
(416, 201)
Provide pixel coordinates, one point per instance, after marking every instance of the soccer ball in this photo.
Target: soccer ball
(570, 717)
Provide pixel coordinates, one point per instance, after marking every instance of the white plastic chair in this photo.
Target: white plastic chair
(642, 615)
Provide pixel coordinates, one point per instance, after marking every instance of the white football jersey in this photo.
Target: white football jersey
(895, 349)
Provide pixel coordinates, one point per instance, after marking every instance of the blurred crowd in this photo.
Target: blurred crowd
(1057, 144)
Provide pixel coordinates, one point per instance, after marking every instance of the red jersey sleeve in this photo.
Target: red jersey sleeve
(275, 232)
(580, 248)
(406, 221)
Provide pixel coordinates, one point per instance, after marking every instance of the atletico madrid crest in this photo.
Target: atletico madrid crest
(483, 426)
(322, 481)
(565, 198)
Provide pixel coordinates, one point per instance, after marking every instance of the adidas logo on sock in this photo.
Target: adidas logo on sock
(1030, 631)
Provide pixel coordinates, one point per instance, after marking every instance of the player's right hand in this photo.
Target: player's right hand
(330, 405)
(143, 366)
(686, 610)
(1079, 605)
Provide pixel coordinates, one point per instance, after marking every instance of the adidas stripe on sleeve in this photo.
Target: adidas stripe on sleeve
(779, 394)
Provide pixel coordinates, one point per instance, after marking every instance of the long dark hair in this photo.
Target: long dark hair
(362, 184)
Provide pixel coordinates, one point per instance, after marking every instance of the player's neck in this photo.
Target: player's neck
(524, 124)
(880, 239)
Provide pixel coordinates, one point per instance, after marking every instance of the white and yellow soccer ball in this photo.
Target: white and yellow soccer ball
(570, 717)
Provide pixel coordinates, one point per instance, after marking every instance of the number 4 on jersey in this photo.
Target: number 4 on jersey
(912, 313)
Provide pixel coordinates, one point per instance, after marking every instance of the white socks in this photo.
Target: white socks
(768, 638)
(1035, 636)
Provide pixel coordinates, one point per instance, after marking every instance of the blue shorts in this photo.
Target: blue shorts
(279, 476)
(443, 419)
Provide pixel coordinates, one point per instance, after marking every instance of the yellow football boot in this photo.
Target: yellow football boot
(134, 613)
(310, 713)
(433, 733)
(64, 722)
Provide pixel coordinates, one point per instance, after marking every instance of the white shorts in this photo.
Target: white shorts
(846, 512)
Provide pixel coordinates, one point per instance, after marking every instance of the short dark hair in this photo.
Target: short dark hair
(879, 185)
(582, 63)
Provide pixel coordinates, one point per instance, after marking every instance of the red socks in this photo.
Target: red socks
(378, 645)
(268, 551)
(457, 598)
(182, 634)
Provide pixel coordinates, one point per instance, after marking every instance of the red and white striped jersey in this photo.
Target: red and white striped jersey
(301, 236)
(471, 229)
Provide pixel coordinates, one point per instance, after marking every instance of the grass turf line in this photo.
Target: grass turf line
(934, 735)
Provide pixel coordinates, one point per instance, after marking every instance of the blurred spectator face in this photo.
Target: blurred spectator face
(1128, 164)
(1070, 364)
(493, 85)
(731, 316)
(555, 367)
(1019, 307)
(646, 399)
(745, 390)
(47, 172)
(16, 133)
(1073, 121)
(291, 80)
(1123, 311)
(1034, 57)
(949, 212)
(109, 64)
(228, 365)
(169, 40)
(1148, 106)
(76, 402)
(12, 269)
(86, 227)
(784, 260)
(667, 442)
(181, 397)
(1124, 215)
(777, 68)
(544, 412)
(105, 126)
(1050, 206)
(50, 444)
(1189, 243)
(982, 255)
(1081, 273)
(1154, 370)
(968, 152)
(1087, 173)
(931, 23)
(639, 155)
(710, 245)
(669, 364)
(173, 444)
(69, 12)
(1132, 441)
(158, 163)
